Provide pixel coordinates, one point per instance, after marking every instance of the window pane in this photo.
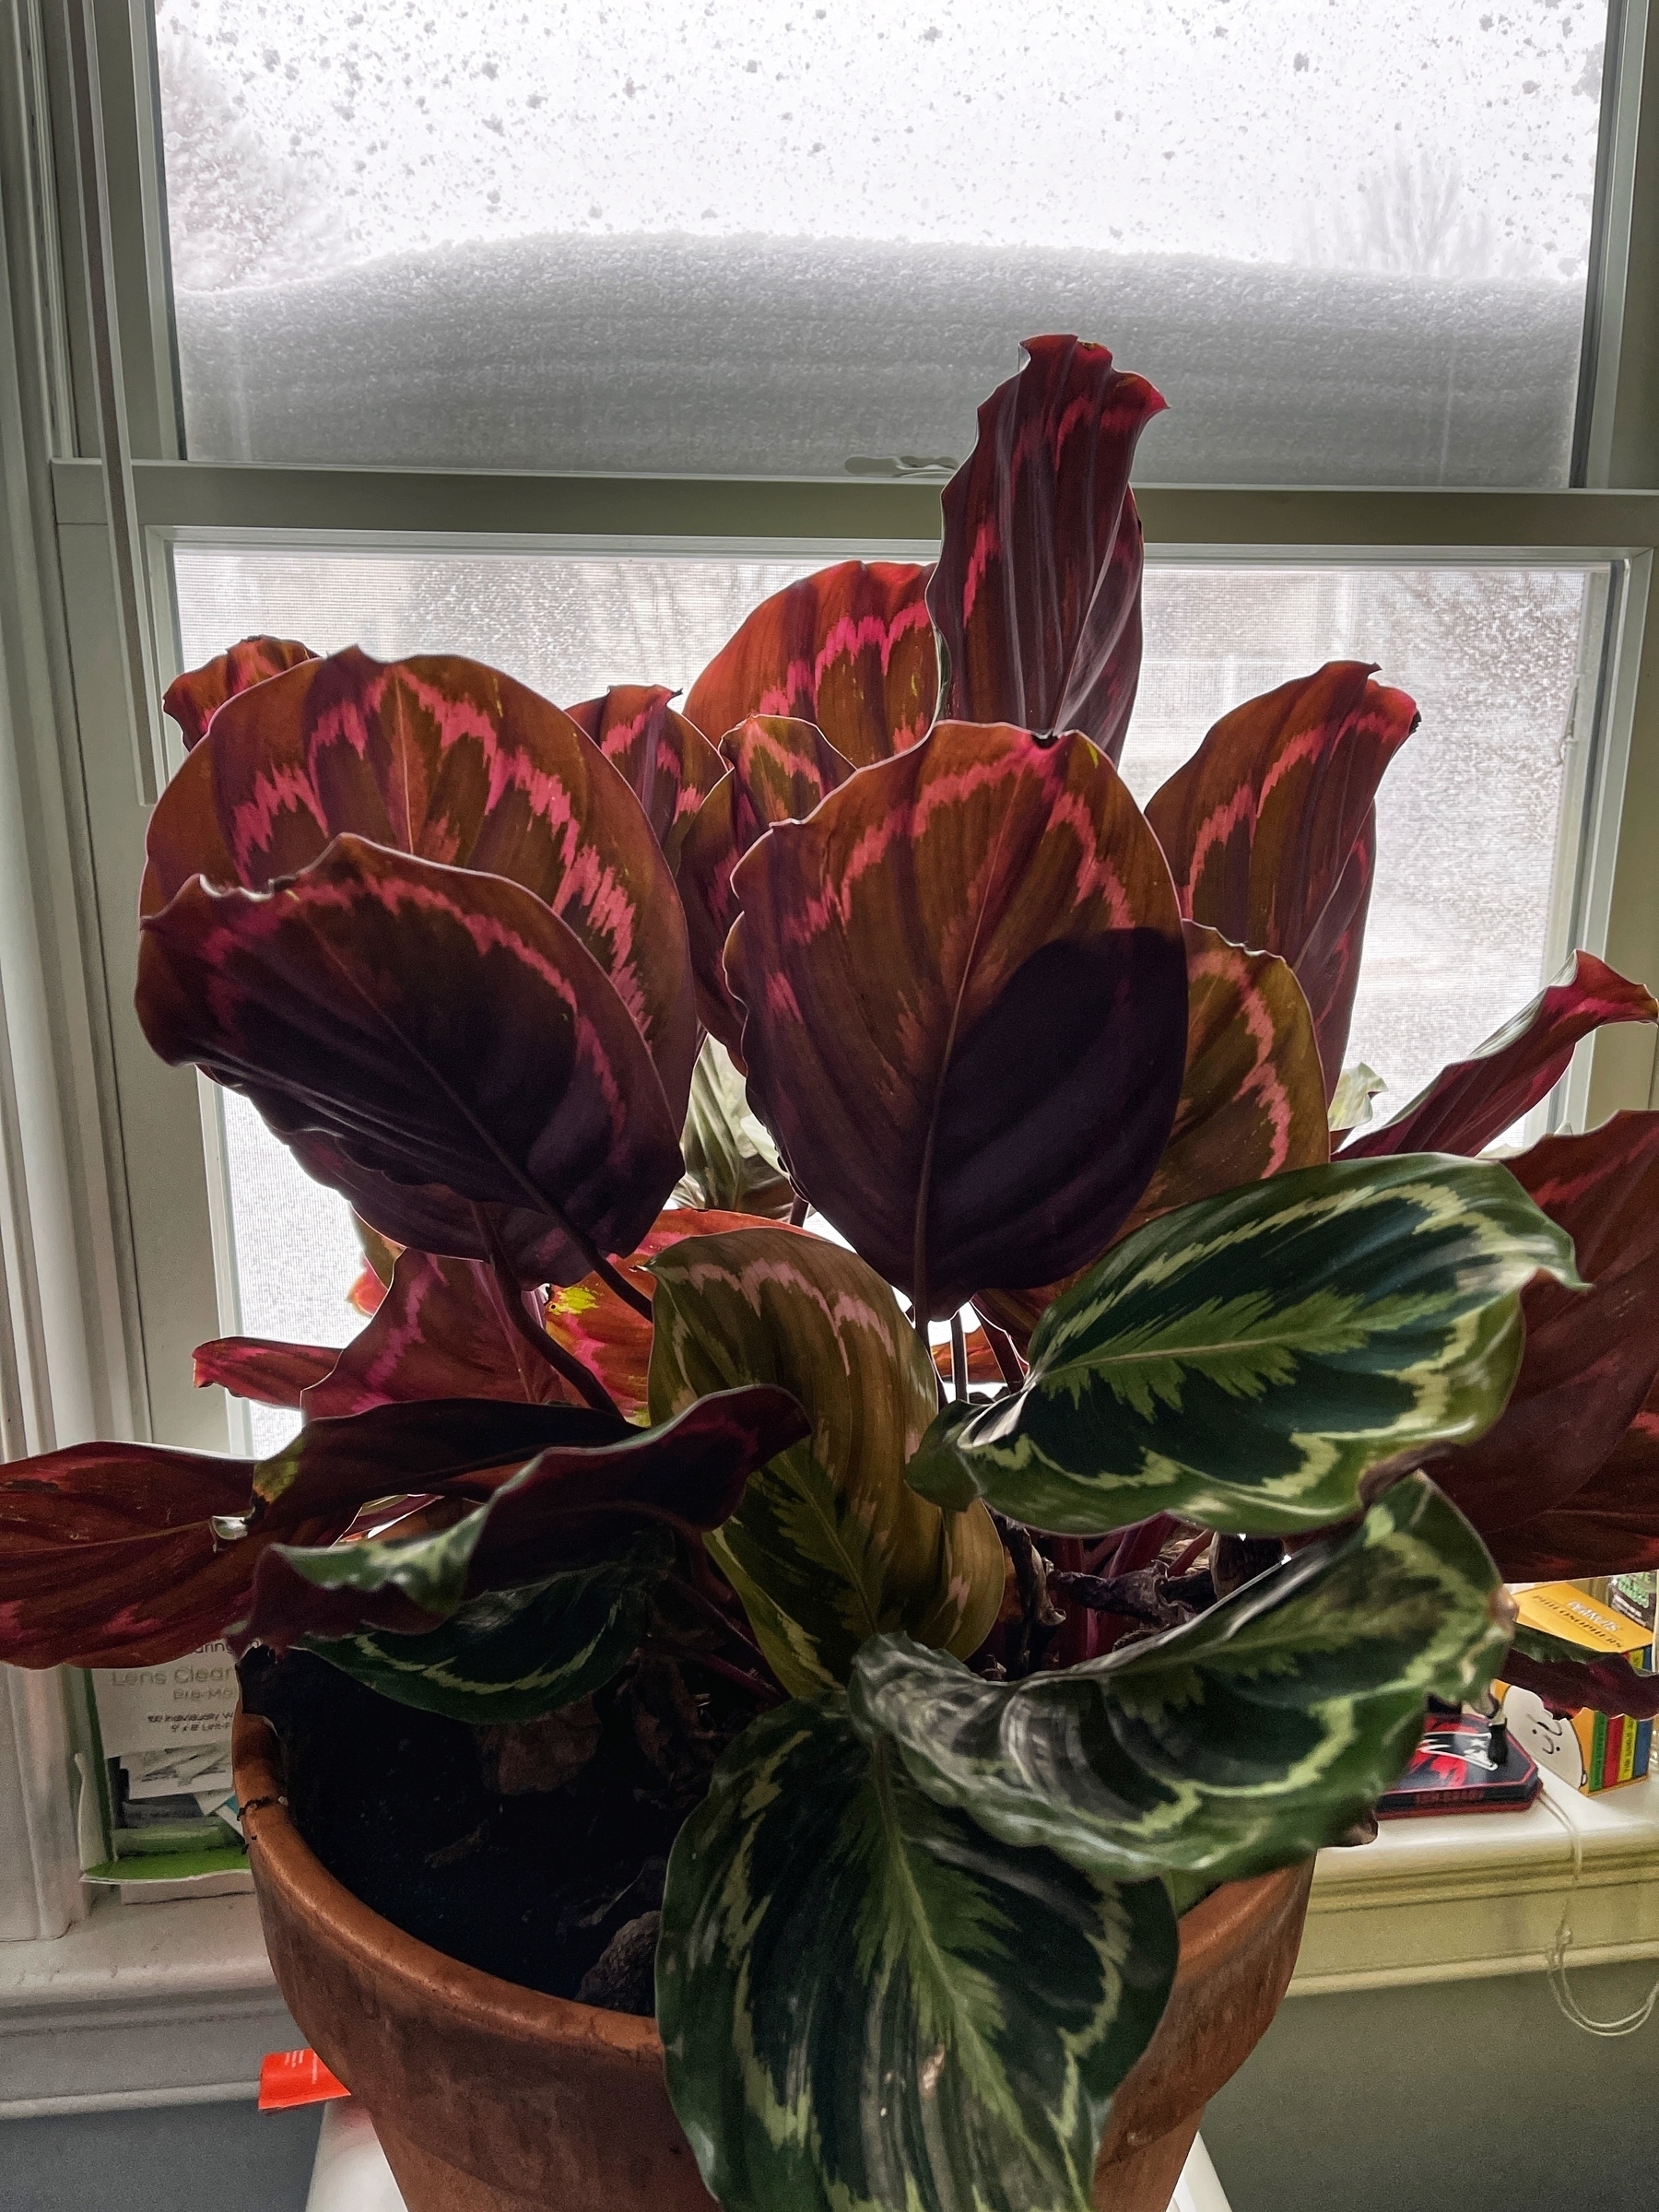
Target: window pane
(1346, 238)
(296, 1253)
(1468, 816)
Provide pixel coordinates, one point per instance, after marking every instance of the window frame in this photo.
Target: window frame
(110, 1203)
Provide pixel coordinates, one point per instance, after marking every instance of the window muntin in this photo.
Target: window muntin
(1349, 242)
(1469, 816)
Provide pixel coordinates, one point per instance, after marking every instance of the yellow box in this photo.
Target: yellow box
(1590, 1752)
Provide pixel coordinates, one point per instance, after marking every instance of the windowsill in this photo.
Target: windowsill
(1463, 1896)
(139, 2004)
(158, 2004)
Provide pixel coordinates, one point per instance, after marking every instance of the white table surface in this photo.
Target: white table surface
(351, 2173)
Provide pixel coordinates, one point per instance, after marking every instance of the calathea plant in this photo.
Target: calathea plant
(1143, 1585)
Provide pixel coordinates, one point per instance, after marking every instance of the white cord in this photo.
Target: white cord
(1555, 1958)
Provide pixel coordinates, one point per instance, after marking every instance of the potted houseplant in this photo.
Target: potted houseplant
(647, 1618)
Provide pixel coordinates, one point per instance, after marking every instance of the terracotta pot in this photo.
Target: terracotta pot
(489, 2098)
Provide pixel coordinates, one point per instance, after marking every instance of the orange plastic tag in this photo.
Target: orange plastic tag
(291, 2078)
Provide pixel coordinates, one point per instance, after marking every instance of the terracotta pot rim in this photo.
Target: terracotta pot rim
(1208, 1929)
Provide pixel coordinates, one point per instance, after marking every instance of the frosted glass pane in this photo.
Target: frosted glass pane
(1467, 817)
(1468, 814)
(1346, 238)
(296, 1253)
(566, 626)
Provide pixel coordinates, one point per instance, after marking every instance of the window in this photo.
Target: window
(769, 236)
(563, 340)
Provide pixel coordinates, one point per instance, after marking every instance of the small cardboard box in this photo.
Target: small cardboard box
(167, 1729)
(168, 1707)
(1590, 1751)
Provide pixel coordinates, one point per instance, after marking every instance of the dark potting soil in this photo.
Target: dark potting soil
(485, 1843)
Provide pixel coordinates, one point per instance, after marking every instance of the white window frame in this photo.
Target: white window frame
(111, 1214)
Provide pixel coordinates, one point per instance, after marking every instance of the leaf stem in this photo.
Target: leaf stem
(1008, 1354)
(711, 1612)
(564, 1362)
(1041, 1616)
(1139, 1594)
(688, 1654)
(614, 1279)
(958, 1358)
(798, 1208)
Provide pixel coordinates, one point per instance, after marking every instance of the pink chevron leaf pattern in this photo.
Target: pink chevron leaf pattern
(1270, 829)
(662, 757)
(194, 698)
(780, 770)
(446, 760)
(433, 1040)
(851, 649)
(1037, 593)
(989, 1106)
(442, 1331)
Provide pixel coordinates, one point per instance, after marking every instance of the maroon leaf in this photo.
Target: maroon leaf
(413, 1025)
(442, 1331)
(570, 1506)
(965, 993)
(849, 649)
(1270, 831)
(1608, 1526)
(449, 1447)
(1251, 1099)
(779, 771)
(1476, 1099)
(108, 1557)
(195, 697)
(263, 1369)
(1037, 592)
(1591, 1357)
(446, 760)
(1610, 1685)
(666, 760)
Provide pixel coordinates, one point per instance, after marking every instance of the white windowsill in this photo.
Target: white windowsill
(139, 2004)
(156, 2004)
(1462, 1896)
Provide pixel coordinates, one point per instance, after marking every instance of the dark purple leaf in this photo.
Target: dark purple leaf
(1591, 1357)
(412, 1025)
(1037, 592)
(1475, 1101)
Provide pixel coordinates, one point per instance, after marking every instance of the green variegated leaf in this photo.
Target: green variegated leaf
(731, 1164)
(515, 1653)
(1244, 1362)
(869, 2005)
(1245, 1740)
(829, 1544)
